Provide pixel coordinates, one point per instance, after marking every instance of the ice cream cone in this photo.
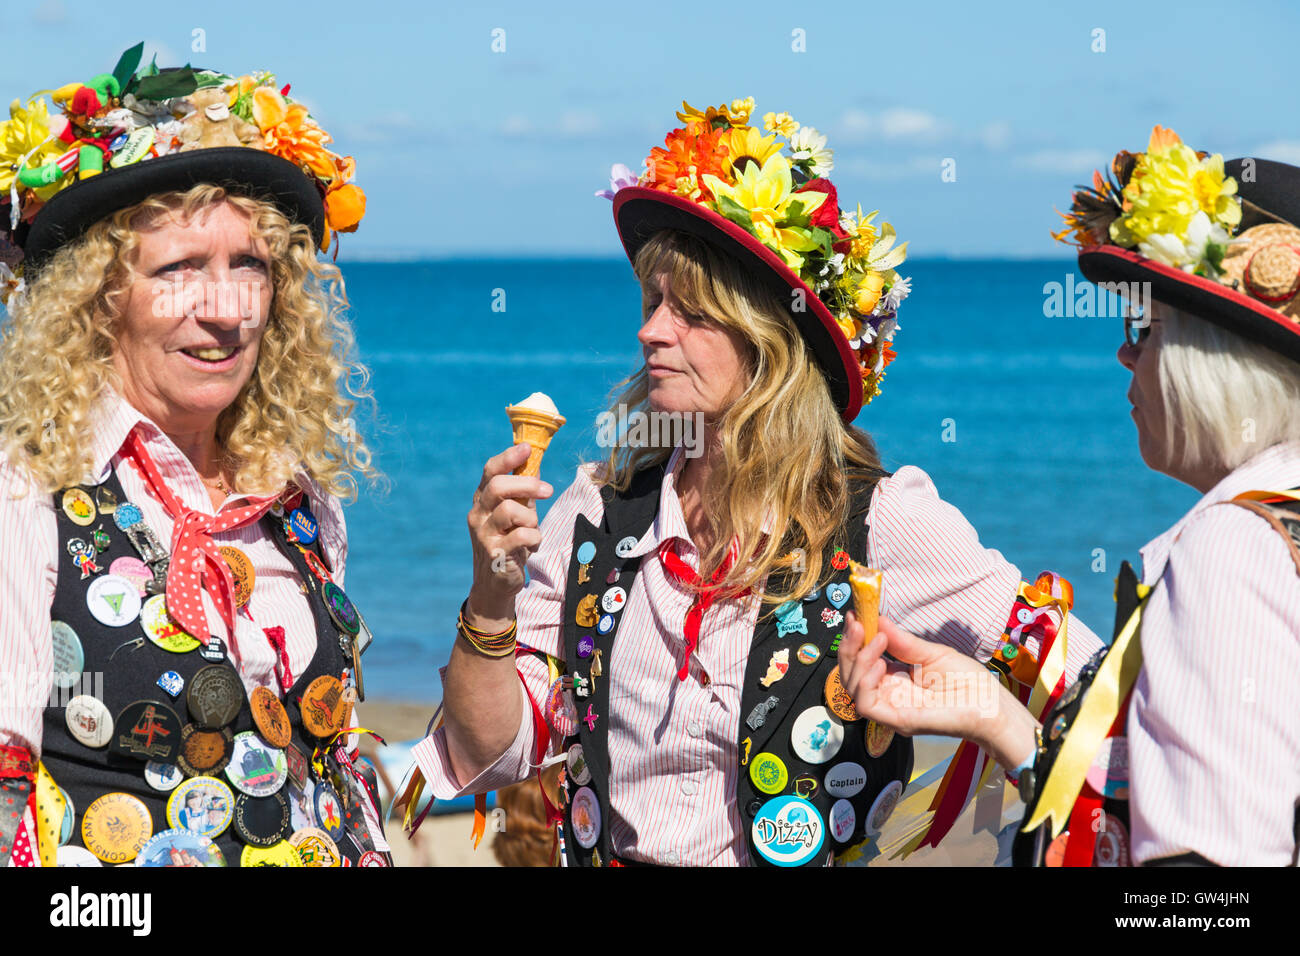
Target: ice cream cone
(536, 428)
(866, 583)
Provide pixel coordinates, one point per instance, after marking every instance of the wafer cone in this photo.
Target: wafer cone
(536, 428)
(866, 583)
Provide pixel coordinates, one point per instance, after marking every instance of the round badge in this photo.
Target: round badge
(612, 601)
(69, 656)
(576, 763)
(262, 821)
(1111, 848)
(147, 730)
(816, 736)
(316, 848)
(329, 810)
(1058, 727)
(281, 854)
(883, 806)
(1108, 774)
(838, 699)
(878, 738)
(1055, 853)
(89, 720)
(215, 696)
(322, 707)
(584, 814)
(840, 560)
(270, 717)
(214, 650)
(205, 751)
(846, 779)
(625, 546)
(372, 858)
(788, 831)
(605, 624)
(115, 827)
(127, 516)
(241, 571)
(808, 653)
(134, 570)
(341, 608)
(255, 768)
(162, 630)
(586, 551)
(69, 818)
(163, 776)
(585, 646)
(75, 856)
(180, 848)
(302, 813)
(113, 601)
(768, 773)
(303, 524)
(201, 805)
(79, 507)
(842, 819)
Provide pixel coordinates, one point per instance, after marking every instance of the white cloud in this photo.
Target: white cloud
(1078, 162)
(854, 124)
(1284, 151)
(913, 168)
(996, 136)
(901, 123)
(516, 125)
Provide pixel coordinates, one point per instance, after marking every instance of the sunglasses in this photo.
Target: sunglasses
(1136, 328)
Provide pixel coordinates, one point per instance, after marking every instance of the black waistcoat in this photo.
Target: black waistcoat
(767, 714)
(131, 673)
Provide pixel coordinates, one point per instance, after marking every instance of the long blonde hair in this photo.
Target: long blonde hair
(296, 411)
(785, 450)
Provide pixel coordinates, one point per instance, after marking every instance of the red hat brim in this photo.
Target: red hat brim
(639, 213)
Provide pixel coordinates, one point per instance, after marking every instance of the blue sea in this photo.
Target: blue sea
(1020, 419)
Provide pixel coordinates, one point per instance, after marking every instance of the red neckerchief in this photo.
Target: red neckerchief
(195, 561)
(681, 572)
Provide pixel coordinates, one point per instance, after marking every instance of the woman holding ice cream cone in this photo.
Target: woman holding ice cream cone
(1179, 744)
(714, 730)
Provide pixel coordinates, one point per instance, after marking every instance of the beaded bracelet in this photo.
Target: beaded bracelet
(490, 645)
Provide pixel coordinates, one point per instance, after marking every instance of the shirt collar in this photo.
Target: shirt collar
(1276, 468)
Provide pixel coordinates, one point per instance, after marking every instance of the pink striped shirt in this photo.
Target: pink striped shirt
(1214, 723)
(672, 743)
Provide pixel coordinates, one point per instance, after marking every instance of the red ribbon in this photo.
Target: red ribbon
(285, 676)
(195, 561)
(682, 573)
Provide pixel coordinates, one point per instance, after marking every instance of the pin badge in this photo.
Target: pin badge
(776, 667)
(79, 507)
(838, 594)
(625, 546)
(758, 716)
(587, 615)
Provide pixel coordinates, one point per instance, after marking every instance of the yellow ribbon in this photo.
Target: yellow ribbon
(1100, 706)
(1263, 495)
(50, 808)
(1053, 666)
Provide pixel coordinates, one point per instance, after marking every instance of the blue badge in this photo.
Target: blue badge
(127, 516)
(790, 619)
(171, 682)
(838, 594)
(788, 831)
(586, 551)
(813, 595)
(605, 624)
(303, 524)
(585, 646)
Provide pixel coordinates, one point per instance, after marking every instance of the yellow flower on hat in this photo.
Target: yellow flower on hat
(782, 123)
(747, 146)
(735, 114)
(763, 200)
(27, 134)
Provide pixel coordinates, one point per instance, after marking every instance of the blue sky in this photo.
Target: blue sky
(467, 152)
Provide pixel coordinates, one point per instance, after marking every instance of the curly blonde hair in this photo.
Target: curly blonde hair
(295, 412)
(785, 450)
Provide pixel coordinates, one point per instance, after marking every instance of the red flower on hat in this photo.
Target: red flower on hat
(827, 215)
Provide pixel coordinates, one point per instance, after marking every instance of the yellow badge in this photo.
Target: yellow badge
(282, 854)
(879, 737)
(587, 615)
(316, 848)
(115, 827)
(79, 507)
(241, 570)
(160, 628)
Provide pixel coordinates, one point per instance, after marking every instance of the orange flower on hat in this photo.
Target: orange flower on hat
(345, 203)
(288, 132)
(687, 153)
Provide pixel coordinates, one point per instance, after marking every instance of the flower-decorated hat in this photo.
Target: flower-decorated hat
(764, 196)
(1224, 248)
(117, 138)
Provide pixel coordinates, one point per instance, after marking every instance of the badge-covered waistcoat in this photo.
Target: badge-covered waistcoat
(795, 812)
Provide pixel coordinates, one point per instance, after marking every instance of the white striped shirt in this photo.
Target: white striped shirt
(1214, 723)
(673, 744)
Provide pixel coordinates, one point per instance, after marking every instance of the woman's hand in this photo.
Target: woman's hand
(935, 690)
(503, 530)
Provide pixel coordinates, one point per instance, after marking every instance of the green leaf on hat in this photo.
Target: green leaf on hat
(126, 65)
(735, 212)
(164, 86)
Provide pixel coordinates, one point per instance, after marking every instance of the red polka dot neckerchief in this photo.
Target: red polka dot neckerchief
(195, 561)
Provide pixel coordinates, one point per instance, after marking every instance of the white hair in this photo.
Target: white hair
(1226, 399)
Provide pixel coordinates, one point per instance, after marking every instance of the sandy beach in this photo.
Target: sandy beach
(444, 840)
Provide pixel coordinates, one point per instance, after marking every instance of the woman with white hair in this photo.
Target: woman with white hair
(1179, 745)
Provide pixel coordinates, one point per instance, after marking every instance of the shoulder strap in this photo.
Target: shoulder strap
(1281, 510)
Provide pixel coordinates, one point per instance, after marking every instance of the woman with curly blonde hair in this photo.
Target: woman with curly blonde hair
(177, 387)
(712, 731)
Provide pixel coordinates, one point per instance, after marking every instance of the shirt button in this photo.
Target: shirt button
(672, 858)
(694, 729)
(689, 787)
